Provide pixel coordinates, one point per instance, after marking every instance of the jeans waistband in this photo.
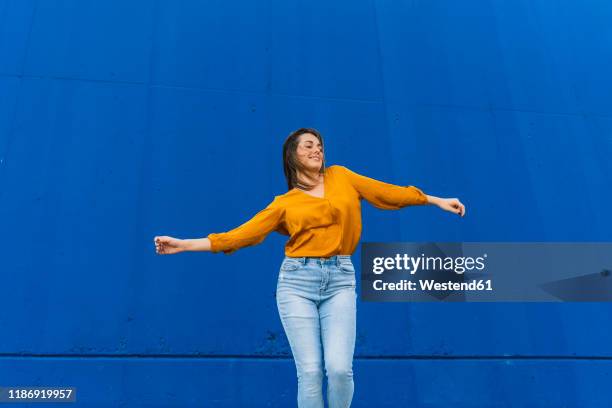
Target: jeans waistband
(334, 260)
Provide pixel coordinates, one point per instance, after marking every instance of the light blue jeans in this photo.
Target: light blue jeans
(316, 301)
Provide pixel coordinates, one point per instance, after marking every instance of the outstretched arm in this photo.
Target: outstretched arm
(392, 197)
(384, 195)
(251, 232)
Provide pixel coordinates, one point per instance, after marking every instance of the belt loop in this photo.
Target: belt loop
(303, 260)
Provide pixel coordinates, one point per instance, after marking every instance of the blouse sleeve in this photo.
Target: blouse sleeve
(384, 195)
(251, 232)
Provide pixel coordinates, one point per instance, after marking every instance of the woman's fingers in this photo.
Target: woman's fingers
(159, 245)
(461, 208)
(456, 207)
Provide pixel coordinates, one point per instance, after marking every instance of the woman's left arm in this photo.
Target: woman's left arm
(392, 197)
(448, 204)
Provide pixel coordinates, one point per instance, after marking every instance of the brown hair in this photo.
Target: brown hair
(290, 162)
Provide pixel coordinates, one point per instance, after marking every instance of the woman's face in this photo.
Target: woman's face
(310, 152)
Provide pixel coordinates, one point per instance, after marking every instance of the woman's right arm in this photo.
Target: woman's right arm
(249, 233)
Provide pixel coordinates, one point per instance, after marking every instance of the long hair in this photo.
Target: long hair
(290, 161)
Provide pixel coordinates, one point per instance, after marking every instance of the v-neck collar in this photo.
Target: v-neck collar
(324, 188)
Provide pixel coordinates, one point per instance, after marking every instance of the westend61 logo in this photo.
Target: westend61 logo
(413, 264)
(486, 272)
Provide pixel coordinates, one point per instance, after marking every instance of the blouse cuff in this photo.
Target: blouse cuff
(218, 244)
(419, 198)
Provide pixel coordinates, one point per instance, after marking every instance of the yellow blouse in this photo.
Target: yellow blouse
(319, 227)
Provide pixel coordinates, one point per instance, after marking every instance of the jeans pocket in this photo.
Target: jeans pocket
(289, 265)
(347, 267)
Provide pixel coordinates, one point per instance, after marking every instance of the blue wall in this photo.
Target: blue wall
(122, 120)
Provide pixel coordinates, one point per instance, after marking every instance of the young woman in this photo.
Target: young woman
(315, 294)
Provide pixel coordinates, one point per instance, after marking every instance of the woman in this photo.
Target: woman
(315, 294)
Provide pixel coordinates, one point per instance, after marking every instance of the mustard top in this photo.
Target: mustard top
(319, 227)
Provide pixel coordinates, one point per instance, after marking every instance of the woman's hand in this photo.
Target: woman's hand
(452, 205)
(448, 204)
(167, 245)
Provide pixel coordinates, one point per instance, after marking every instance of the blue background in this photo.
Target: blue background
(122, 120)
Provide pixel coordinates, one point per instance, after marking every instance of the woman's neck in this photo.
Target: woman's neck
(311, 176)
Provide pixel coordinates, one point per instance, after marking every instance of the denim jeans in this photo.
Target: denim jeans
(316, 301)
